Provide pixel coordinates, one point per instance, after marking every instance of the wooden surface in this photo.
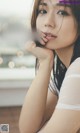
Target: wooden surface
(10, 115)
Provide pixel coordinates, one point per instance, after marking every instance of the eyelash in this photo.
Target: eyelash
(64, 13)
(42, 11)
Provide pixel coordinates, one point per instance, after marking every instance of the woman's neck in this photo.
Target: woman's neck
(65, 55)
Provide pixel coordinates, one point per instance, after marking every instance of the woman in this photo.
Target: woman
(52, 103)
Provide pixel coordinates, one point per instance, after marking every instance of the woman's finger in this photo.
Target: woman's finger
(42, 41)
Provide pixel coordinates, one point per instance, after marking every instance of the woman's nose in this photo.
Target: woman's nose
(49, 21)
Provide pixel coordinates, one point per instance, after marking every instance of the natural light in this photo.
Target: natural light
(15, 7)
(16, 68)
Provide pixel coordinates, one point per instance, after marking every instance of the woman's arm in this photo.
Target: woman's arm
(62, 121)
(50, 107)
(35, 101)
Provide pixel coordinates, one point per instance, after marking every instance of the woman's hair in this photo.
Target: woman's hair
(75, 7)
(34, 14)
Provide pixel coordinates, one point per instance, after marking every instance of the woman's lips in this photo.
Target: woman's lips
(50, 36)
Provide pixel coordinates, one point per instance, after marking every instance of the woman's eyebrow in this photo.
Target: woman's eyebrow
(43, 4)
(62, 4)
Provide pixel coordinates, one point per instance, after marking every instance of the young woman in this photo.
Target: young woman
(52, 103)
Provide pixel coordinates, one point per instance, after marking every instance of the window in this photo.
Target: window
(14, 27)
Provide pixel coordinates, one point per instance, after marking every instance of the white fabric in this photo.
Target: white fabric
(69, 97)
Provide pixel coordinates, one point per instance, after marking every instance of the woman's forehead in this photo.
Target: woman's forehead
(52, 2)
(55, 3)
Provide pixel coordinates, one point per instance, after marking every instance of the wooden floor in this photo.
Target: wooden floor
(10, 115)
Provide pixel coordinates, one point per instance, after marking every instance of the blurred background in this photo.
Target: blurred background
(17, 69)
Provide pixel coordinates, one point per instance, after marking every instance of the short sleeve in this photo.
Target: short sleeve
(69, 97)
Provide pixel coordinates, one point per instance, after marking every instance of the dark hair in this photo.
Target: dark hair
(75, 8)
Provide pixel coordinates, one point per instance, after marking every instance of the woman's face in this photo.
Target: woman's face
(57, 23)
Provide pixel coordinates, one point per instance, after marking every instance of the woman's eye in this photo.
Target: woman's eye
(42, 11)
(64, 13)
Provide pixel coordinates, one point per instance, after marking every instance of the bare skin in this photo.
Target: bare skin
(38, 111)
(36, 93)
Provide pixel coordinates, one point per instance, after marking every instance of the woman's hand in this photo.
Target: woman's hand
(42, 53)
(43, 40)
(36, 98)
